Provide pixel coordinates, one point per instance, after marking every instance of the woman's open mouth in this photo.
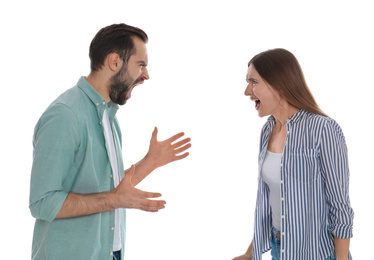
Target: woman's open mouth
(258, 102)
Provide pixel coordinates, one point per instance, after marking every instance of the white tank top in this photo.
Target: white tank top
(271, 171)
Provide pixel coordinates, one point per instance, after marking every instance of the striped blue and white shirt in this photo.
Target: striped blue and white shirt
(315, 204)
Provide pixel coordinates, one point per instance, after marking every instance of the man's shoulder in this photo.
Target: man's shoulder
(70, 105)
(70, 98)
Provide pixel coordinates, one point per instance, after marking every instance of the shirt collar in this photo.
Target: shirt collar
(95, 97)
(294, 118)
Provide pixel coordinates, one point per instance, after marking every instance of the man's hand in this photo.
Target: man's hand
(125, 195)
(159, 154)
(164, 152)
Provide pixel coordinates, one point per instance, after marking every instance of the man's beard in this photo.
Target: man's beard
(120, 84)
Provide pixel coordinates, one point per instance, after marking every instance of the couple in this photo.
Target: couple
(80, 190)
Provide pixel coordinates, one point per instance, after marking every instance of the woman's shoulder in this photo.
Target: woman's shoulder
(316, 118)
(323, 123)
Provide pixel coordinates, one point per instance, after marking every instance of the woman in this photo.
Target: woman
(303, 209)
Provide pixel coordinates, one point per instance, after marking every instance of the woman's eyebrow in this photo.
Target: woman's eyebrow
(251, 79)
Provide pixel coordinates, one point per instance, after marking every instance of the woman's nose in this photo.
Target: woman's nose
(248, 91)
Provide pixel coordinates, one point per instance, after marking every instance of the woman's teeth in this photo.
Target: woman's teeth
(257, 104)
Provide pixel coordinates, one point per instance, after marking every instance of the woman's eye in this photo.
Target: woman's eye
(249, 81)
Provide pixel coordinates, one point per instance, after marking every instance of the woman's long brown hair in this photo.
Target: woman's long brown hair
(282, 71)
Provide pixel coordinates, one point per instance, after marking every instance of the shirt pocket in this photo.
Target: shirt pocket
(303, 165)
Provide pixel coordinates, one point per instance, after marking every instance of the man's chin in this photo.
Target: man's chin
(118, 101)
(121, 98)
(122, 102)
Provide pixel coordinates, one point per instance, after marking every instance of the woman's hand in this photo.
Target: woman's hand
(243, 257)
(247, 255)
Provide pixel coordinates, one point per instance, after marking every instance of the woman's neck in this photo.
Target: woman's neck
(283, 113)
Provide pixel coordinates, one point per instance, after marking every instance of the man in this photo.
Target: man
(78, 186)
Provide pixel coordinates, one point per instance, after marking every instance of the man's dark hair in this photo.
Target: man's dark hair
(115, 38)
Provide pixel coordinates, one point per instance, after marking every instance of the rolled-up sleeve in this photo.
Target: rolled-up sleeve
(335, 171)
(55, 142)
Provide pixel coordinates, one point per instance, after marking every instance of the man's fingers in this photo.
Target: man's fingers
(180, 157)
(175, 137)
(146, 194)
(182, 149)
(154, 134)
(151, 205)
(181, 143)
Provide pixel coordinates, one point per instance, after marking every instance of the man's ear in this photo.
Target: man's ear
(114, 62)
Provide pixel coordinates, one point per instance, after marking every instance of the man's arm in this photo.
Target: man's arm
(160, 154)
(124, 196)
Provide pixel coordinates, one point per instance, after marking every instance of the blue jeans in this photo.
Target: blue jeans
(276, 244)
(117, 255)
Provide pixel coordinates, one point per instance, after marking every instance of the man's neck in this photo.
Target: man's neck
(99, 83)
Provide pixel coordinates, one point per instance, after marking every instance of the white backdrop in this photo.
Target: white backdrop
(198, 54)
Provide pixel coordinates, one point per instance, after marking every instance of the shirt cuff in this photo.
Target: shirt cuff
(48, 207)
(342, 231)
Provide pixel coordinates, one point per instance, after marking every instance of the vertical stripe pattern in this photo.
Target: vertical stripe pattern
(315, 205)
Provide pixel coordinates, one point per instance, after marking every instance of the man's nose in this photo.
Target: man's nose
(145, 74)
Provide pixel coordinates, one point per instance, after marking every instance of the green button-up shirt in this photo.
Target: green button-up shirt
(71, 155)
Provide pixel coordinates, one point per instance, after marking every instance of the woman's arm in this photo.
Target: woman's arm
(247, 255)
(335, 172)
(341, 248)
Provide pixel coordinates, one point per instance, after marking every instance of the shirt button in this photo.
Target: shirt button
(97, 104)
(103, 103)
(99, 123)
(112, 228)
(111, 176)
(111, 253)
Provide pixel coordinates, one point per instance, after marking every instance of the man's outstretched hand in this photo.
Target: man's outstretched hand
(164, 152)
(125, 195)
